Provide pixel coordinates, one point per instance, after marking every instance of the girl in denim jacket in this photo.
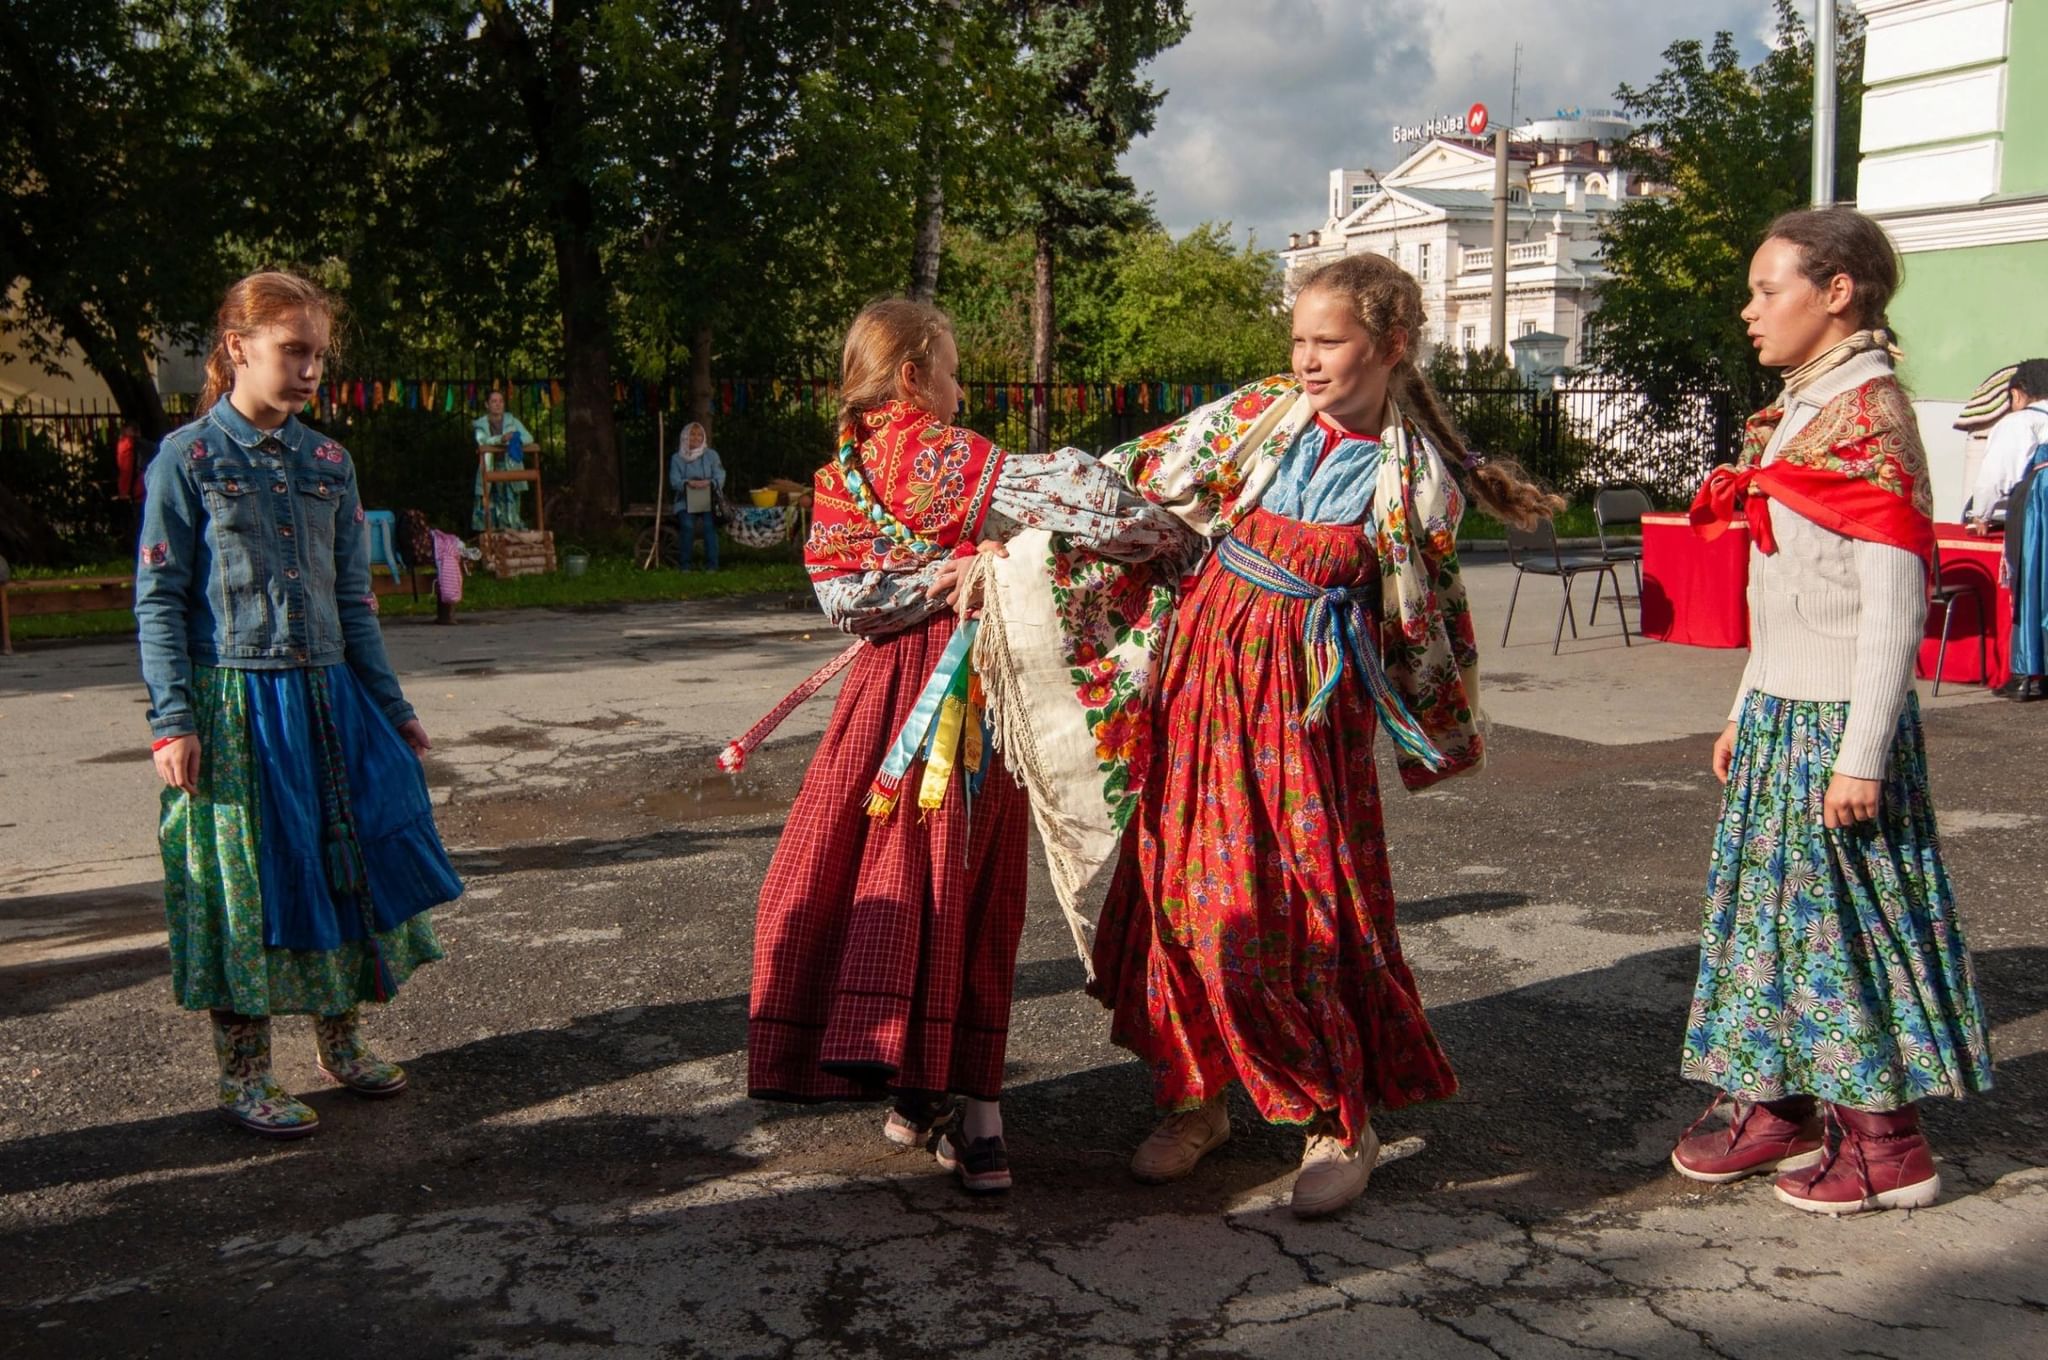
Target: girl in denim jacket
(299, 848)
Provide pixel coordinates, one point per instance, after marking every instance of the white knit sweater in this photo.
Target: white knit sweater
(1832, 617)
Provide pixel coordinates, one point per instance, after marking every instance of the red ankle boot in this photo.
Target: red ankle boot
(1770, 1135)
(1880, 1160)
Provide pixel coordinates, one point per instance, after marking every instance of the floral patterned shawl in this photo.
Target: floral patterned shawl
(935, 478)
(1856, 468)
(1069, 641)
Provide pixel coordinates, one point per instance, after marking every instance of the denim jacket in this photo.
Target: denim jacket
(253, 557)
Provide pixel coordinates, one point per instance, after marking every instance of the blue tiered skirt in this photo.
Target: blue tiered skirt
(298, 878)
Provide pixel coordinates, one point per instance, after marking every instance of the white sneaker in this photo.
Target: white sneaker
(1333, 1174)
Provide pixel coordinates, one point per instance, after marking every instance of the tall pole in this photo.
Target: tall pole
(1500, 240)
(1824, 104)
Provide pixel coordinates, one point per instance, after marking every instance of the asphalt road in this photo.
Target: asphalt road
(577, 1172)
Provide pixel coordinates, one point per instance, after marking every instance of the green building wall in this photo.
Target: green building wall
(2023, 170)
(1964, 313)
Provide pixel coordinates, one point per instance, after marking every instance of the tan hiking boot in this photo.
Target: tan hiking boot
(1181, 1140)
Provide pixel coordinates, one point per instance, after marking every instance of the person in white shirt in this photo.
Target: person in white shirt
(2011, 446)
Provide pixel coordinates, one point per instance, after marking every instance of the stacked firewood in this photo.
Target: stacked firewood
(523, 552)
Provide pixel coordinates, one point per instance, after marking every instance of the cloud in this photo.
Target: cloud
(1266, 97)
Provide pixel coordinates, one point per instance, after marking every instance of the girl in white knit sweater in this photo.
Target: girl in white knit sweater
(1835, 989)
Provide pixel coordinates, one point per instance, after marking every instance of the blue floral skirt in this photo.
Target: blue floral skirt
(1832, 963)
(297, 879)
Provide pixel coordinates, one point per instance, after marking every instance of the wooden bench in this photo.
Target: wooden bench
(60, 595)
(80, 594)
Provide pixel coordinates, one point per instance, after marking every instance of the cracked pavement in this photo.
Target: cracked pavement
(577, 1172)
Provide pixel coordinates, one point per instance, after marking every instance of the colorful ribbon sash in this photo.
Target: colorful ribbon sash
(937, 730)
(1338, 624)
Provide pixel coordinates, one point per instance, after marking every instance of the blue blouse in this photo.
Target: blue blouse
(1326, 476)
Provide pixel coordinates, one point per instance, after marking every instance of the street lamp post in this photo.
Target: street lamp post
(1824, 103)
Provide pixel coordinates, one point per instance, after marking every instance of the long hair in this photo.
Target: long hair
(885, 336)
(1385, 298)
(252, 303)
(1835, 241)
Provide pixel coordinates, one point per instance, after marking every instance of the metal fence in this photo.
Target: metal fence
(1583, 436)
(412, 445)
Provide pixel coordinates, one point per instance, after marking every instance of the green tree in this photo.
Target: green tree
(1734, 144)
(114, 218)
(1079, 102)
(1201, 307)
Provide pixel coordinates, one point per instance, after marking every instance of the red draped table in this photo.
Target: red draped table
(1696, 593)
(1972, 563)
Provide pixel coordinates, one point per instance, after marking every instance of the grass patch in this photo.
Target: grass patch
(1576, 522)
(609, 580)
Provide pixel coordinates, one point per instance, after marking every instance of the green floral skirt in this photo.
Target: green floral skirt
(213, 898)
(1832, 963)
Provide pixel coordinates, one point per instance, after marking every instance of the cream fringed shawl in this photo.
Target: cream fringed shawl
(1070, 641)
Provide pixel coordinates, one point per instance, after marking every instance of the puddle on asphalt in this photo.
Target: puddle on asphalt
(512, 736)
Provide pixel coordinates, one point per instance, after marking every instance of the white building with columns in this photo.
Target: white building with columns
(1433, 214)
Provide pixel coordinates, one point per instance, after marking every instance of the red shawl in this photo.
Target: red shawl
(1857, 468)
(935, 479)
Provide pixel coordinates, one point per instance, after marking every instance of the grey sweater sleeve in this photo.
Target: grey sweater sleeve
(1893, 584)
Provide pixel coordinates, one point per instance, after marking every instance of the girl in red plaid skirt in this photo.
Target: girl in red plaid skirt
(886, 942)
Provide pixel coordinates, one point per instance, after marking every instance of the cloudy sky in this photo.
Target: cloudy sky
(1265, 97)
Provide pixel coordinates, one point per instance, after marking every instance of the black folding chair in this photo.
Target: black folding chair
(1943, 595)
(1620, 508)
(1535, 552)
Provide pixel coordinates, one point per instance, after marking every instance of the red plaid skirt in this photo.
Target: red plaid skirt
(885, 950)
(1249, 931)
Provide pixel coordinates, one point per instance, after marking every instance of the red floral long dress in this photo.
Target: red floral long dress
(1249, 930)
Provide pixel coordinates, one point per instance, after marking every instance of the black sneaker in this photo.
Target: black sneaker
(918, 1120)
(984, 1168)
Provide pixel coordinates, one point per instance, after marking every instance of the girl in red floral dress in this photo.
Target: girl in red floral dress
(886, 942)
(1248, 934)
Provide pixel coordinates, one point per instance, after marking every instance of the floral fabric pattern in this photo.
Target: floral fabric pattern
(1867, 434)
(213, 897)
(1832, 963)
(1249, 932)
(1070, 641)
(934, 478)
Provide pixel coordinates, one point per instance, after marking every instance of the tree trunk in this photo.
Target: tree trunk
(700, 375)
(548, 76)
(1041, 337)
(931, 198)
(591, 427)
(123, 365)
(931, 219)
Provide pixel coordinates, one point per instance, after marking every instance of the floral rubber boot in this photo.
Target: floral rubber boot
(249, 1097)
(346, 1059)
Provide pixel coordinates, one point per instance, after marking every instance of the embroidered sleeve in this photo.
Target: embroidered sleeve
(876, 603)
(1068, 492)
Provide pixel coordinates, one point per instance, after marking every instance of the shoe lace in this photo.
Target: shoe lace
(1835, 1139)
(1322, 1141)
(1742, 1113)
